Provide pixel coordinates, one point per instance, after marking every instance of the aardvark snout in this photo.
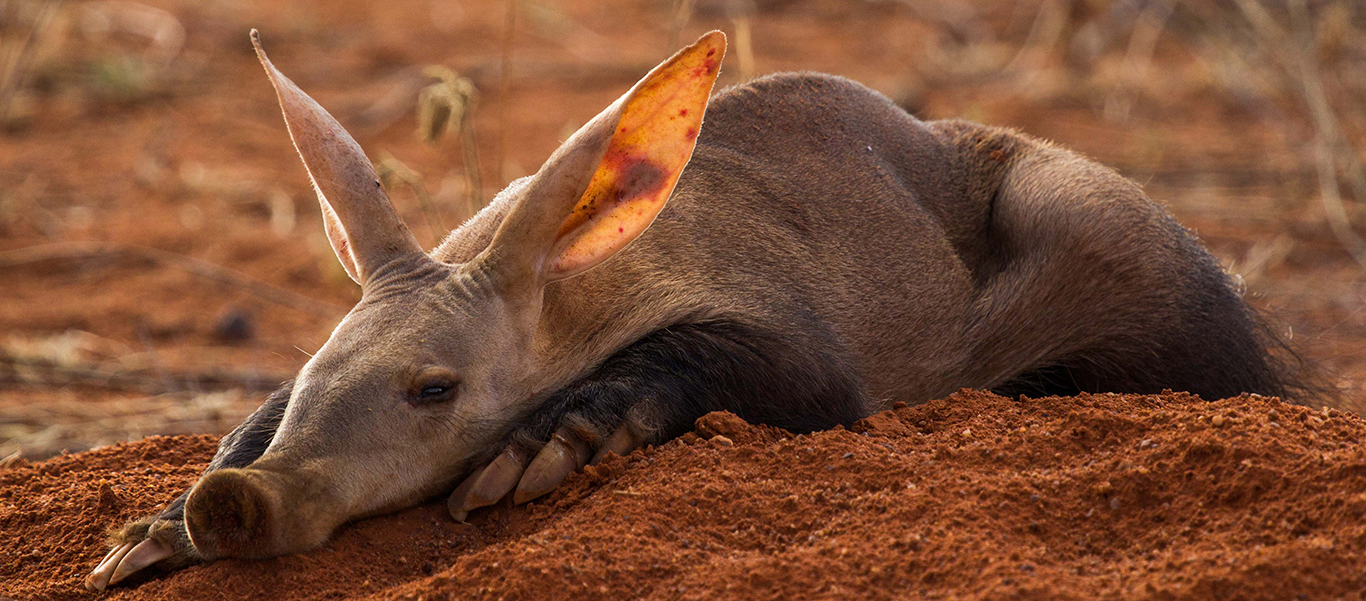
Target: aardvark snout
(255, 512)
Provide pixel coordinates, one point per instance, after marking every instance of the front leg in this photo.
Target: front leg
(655, 389)
(162, 540)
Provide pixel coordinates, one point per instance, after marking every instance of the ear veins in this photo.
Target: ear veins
(652, 143)
(534, 245)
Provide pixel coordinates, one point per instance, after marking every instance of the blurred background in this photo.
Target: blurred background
(162, 258)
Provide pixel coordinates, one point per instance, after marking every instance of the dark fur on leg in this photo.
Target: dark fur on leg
(1215, 347)
(662, 383)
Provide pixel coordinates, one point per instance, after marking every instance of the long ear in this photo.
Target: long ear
(365, 231)
(607, 183)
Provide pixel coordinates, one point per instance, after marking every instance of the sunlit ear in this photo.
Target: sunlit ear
(365, 231)
(607, 183)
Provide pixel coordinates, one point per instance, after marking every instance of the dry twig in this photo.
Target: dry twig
(16, 371)
(449, 105)
(504, 89)
(679, 15)
(1048, 27)
(960, 18)
(1300, 66)
(199, 267)
(17, 69)
(741, 15)
(1138, 58)
(393, 172)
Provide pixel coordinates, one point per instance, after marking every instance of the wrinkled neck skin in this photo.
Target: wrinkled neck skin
(569, 334)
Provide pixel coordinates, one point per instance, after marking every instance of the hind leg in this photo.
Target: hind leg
(1096, 288)
(161, 540)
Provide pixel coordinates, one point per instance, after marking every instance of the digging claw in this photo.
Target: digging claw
(496, 481)
(144, 554)
(456, 503)
(559, 458)
(564, 454)
(99, 577)
(621, 442)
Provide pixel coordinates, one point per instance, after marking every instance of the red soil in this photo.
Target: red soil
(975, 496)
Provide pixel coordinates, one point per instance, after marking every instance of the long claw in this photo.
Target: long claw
(496, 481)
(144, 554)
(456, 503)
(108, 555)
(99, 577)
(557, 459)
(621, 442)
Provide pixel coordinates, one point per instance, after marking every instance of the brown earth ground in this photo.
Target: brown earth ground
(975, 496)
(162, 262)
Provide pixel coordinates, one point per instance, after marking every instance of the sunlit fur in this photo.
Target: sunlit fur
(816, 220)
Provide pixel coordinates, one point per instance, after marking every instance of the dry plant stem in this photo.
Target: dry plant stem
(18, 68)
(390, 168)
(1220, 49)
(1263, 255)
(199, 267)
(679, 16)
(1341, 151)
(1138, 58)
(959, 17)
(1333, 207)
(744, 47)
(11, 459)
(446, 105)
(472, 173)
(504, 91)
(40, 373)
(164, 32)
(1300, 66)
(1043, 35)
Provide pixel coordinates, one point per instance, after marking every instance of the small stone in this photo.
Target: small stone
(235, 325)
(720, 441)
(107, 499)
(967, 432)
(1217, 421)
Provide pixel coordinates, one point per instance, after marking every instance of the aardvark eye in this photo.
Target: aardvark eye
(433, 385)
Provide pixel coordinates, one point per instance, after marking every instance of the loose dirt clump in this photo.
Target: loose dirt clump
(974, 496)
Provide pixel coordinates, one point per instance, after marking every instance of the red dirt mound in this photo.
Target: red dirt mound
(975, 496)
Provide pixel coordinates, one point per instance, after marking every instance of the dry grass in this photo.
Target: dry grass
(1287, 66)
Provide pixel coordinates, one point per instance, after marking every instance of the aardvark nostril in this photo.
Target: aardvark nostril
(234, 513)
